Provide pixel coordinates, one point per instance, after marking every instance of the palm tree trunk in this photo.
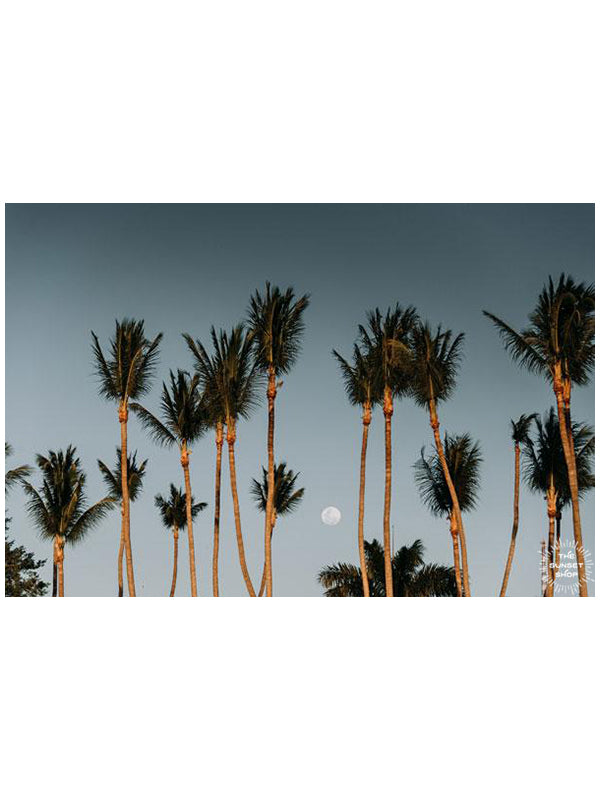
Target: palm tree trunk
(435, 425)
(123, 415)
(563, 403)
(361, 499)
(120, 564)
(515, 527)
(215, 563)
(55, 568)
(456, 553)
(185, 463)
(557, 544)
(388, 410)
(263, 580)
(175, 548)
(551, 507)
(271, 394)
(236, 506)
(61, 570)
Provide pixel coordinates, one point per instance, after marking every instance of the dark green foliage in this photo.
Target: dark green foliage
(435, 358)
(520, 428)
(360, 377)
(411, 576)
(172, 509)
(183, 410)
(386, 340)
(135, 476)
(275, 323)
(560, 332)
(16, 475)
(128, 371)
(21, 567)
(287, 498)
(58, 507)
(463, 457)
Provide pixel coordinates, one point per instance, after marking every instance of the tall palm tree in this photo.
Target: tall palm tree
(230, 381)
(15, 475)
(559, 343)
(287, 498)
(463, 458)
(584, 444)
(126, 375)
(184, 421)
(114, 484)
(520, 436)
(412, 577)
(174, 514)
(435, 361)
(362, 390)
(58, 507)
(546, 472)
(386, 340)
(275, 322)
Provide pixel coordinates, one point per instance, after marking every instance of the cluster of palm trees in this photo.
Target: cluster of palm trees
(396, 355)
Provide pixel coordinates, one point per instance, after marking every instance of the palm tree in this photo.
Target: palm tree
(412, 577)
(361, 388)
(275, 322)
(287, 498)
(174, 514)
(546, 472)
(184, 422)
(114, 484)
(386, 343)
(520, 436)
(229, 379)
(463, 458)
(584, 444)
(126, 375)
(435, 361)
(559, 343)
(58, 508)
(16, 475)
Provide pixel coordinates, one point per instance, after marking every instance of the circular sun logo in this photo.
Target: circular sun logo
(561, 574)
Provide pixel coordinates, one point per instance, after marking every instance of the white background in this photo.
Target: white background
(287, 101)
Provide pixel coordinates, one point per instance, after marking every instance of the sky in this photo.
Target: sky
(71, 269)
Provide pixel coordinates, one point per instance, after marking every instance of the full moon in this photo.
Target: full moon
(331, 515)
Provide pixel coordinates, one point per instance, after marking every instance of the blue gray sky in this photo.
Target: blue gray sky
(74, 268)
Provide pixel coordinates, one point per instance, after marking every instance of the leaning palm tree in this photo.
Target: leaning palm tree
(362, 390)
(174, 514)
(184, 421)
(230, 381)
(520, 436)
(546, 472)
(385, 340)
(58, 507)
(435, 361)
(112, 480)
(275, 322)
(126, 375)
(412, 577)
(287, 498)
(559, 343)
(463, 458)
(584, 443)
(15, 475)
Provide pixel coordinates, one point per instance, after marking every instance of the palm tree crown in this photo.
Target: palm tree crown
(435, 358)
(287, 498)
(412, 577)
(386, 340)
(128, 372)
(520, 428)
(135, 476)
(463, 457)
(172, 509)
(560, 332)
(183, 412)
(276, 325)
(360, 377)
(59, 507)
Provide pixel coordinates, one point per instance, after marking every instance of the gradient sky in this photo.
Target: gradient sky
(74, 268)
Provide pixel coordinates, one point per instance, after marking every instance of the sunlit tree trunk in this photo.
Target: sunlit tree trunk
(435, 425)
(175, 550)
(271, 395)
(185, 463)
(55, 567)
(61, 567)
(562, 391)
(515, 527)
(123, 415)
(388, 410)
(231, 436)
(551, 509)
(263, 580)
(120, 558)
(215, 562)
(557, 543)
(366, 419)
(456, 553)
